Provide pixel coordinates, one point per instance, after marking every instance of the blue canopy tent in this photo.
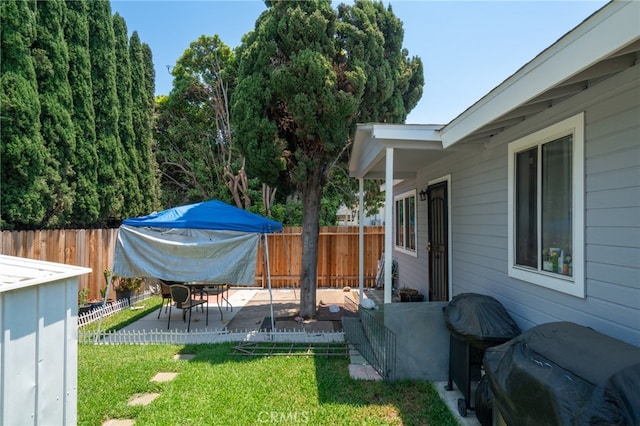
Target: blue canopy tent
(209, 241)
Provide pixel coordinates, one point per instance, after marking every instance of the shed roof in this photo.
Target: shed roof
(19, 272)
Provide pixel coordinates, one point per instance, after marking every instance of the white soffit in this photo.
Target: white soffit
(610, 29)
(411, 142)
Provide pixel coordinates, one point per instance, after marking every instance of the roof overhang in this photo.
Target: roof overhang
(413, 144)
(604, 44)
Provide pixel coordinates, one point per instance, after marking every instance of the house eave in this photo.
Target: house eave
(593, 49)
(373, 139)
(603, 45)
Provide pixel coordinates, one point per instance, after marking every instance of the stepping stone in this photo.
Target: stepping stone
(164, 377)
(185, 357)
(363, 372)
(119, 422)
(143, 399)
(358, 360)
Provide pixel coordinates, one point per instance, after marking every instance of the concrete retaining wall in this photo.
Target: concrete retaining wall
(422, 340)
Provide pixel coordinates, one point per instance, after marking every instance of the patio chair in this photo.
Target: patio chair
(181, 295)
(165, 292)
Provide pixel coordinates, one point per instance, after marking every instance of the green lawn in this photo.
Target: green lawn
(218, 387)
(126, 317)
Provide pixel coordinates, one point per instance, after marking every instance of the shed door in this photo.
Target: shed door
(438, 245)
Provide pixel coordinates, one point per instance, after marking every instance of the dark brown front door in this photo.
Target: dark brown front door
(437, 246)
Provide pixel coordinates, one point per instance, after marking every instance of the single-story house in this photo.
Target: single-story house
(532, 194)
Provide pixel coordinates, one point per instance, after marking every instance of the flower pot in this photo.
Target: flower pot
(96, 304)
(417, 298)
(83, 309)
(405, 297)
(123, 294)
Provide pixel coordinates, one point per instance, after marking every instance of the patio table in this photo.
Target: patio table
(216, 289)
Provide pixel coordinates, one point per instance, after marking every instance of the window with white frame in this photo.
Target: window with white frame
(546, 207)
(405, 222)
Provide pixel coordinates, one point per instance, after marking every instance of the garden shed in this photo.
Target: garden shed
(38, 341)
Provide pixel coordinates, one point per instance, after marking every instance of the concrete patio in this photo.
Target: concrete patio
(250, 307)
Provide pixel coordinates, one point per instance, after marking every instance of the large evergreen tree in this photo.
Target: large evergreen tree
(131, 188)
(372, 36)
(105, 103)
(22, 151)
(86, 207)
(302, 78)
(67, 109)
(142, 116)
(51, 61)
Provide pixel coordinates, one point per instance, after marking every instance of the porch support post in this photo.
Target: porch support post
(361, 239)
(388, 225)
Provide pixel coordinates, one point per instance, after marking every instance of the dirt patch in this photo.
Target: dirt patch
(290, 323)
(286, 306)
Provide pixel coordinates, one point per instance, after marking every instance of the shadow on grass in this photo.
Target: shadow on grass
(403, 402)
(259, 386)
(407, 402)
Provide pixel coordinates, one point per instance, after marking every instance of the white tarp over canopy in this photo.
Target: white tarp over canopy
(184, 254)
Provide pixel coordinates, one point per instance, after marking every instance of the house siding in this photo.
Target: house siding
(612, 216)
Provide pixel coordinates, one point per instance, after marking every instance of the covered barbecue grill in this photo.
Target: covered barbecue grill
(564, 373)
(475, 322)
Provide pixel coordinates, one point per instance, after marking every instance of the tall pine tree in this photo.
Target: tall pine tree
(86, 208)
(51, 60)
(302, 85)
(132, 191)
(105, 103)
(22, 150)
(142, 114)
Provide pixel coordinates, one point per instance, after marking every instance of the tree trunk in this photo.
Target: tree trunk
(268, 195)
(311, 196)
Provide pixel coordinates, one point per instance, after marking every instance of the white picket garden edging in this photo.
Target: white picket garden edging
(110, 308)
(179, 337)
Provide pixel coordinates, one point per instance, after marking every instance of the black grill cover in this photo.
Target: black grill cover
(479, 320)
(563, 373)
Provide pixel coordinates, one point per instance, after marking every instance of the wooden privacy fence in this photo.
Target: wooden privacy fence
(337, 257)
(93, 248)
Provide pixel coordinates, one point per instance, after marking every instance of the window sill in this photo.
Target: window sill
(403, 250)
(567, 285)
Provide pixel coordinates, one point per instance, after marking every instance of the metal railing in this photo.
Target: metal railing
(375, 342)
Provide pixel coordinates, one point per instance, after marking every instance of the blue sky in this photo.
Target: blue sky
(467, 47)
